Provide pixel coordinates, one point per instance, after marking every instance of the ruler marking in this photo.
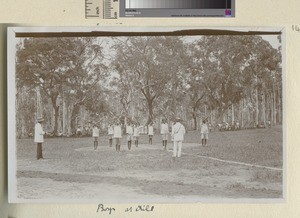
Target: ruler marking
(109, 8)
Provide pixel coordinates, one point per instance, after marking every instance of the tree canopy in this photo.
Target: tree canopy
(146, 78)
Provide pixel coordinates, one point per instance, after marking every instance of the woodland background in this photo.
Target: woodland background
(81, 81)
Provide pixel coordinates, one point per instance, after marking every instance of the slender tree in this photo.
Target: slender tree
(153, 63)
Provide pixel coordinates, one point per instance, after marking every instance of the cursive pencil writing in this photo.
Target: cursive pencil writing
(101, 208)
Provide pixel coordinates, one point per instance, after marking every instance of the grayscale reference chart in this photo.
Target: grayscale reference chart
(177, 8)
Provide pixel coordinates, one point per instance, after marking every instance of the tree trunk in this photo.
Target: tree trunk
(74, 114)
(149, 98)
(279, 109)
(65, 118)
(56, 115)
(272, 109)
(232, 114)
(39, 109)
(269, 105)
(264, 108)
(256, 105)
(249, 121)
(274, 104)
(150, 111)
(242, 113)
(132, 110)
(223, 115)
(56, 112)
(69, 129)
(194, 118)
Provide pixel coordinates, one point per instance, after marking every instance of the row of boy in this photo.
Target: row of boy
(177, 133)
(115, 132)
(132, 133)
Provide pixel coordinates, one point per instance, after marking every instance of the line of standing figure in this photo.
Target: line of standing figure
(132, 131)
(133, 134)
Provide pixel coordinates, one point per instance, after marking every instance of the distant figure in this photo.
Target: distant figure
(204, 133)
(118, 135)
(172, 136)
(233, 126)
(150, 132)
(164, 131)
(129, 132)
(95, 136)
(237, 125)
(30, 134)
(110, 134)
(78, 131)
(178, 134)
(209, 127)
(39, 137)
(85, 131)
(227, 126)
(136, 134)
(144, 130)
(269, 123)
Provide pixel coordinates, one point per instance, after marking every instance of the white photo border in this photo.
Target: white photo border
(11, 104)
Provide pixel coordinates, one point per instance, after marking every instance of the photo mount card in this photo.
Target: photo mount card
(70, 85)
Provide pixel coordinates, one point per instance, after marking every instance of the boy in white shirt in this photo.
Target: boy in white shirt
(110, 134)
(129, 132)
(204, 133)
(136, 134)
(164, 131)
(150, 132)
(95, 136)
(118, 135)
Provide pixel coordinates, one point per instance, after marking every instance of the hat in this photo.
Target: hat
(40, 119)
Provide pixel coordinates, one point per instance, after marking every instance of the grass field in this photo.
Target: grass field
(72, 169)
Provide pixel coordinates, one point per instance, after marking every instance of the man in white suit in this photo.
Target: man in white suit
(39, 137)
(178, 132)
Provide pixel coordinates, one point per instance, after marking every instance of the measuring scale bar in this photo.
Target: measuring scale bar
(92, 8)
(109, 9)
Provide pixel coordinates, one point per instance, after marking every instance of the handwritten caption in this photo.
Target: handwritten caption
(295, 28)
(139, 208)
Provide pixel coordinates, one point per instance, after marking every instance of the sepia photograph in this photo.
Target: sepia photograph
(146, 115)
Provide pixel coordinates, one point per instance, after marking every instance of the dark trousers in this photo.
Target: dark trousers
(39, 154)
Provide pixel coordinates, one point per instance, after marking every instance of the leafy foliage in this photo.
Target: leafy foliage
(148, 76)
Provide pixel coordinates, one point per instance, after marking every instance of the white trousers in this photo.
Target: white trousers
(177, 145)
